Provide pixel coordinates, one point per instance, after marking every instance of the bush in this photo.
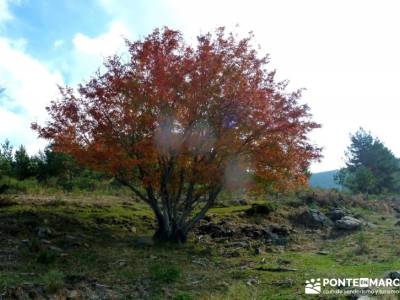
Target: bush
(362, 244)
(260, 209)
(46, 257)
(322, 198)
(165, 273)
(53, 280)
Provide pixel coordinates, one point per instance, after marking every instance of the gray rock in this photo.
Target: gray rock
(73, 294)
(313, 218)
(393, 274)
(55, 249)
(144, 242)
(239, 202)
(252, 281)
(348, 223)
(235, 253)
(336, 214)
(238, 244)
(43, 232)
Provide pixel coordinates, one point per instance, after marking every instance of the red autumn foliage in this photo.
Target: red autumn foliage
(178, 123)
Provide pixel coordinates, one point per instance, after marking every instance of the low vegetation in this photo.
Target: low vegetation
(102, 247)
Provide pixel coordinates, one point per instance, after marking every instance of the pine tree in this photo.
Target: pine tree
(370, 167)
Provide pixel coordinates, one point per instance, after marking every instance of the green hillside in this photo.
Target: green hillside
(324, 180)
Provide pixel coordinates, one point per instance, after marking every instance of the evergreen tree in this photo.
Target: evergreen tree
(24, 167)
(6, 159)
(370, 167)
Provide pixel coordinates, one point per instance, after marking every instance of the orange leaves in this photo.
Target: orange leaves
(177, 109)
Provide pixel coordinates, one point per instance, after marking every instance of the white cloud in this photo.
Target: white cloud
(89, 52)
(105, 44)
(30, 86)
(5, 14)
(346, 53)
(58, 43)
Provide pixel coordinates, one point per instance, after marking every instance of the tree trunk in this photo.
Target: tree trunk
(172, 234)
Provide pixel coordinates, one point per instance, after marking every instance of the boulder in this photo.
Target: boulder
(313, 218)
(393, 274)
(222, 229)
(280, 230)
(336, 214)
(348, 223)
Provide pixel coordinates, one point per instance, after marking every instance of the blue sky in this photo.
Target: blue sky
(345, 53)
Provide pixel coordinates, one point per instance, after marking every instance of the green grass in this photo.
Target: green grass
(106, 252)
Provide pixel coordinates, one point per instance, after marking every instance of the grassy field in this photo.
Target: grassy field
(100, 248)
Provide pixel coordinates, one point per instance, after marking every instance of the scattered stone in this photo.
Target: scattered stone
(323, 252)
(259, 251)
(313, 218)
(73, 294)
(144, 242)
(235, 253)
(348, 223)
(238, 244)
(396, 207)
(238, 202)
(283, 261)
(55, 249)
(71, 241)
(43, 232)
(280, 230)
(284, 283)
(222, 229)
(133, 229)
(224, 284)
(252, 281)
(121, 263)
(397, 223)
(364, 298)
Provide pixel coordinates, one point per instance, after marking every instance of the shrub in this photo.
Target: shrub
(362, 244)
(46, 257)
(165, 273)
(53, 280)
(260, 209)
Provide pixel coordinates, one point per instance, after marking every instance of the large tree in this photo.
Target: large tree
(370, 166)
(177, 124)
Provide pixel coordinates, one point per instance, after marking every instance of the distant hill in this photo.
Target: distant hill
(324, 180)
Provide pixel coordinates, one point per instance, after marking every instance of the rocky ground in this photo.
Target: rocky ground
(101, 248)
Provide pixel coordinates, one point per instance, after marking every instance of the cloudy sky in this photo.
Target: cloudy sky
(345, 53)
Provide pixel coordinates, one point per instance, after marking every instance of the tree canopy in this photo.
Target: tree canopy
(178, 123)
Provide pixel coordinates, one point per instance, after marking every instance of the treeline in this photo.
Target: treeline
(20, 172)
(371, 168)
